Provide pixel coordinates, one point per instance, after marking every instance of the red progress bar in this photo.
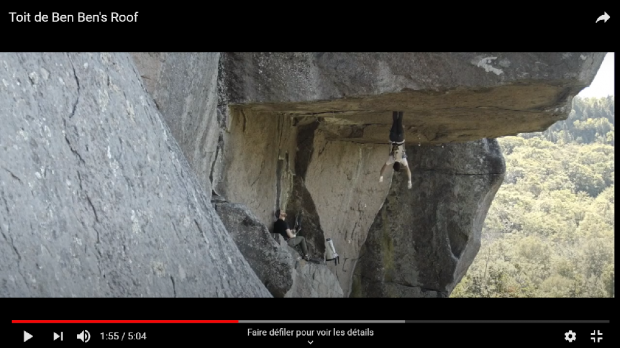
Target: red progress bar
(124, 321)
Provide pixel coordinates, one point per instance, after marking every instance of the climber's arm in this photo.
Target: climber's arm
(290, 233)
(408, 175)
(383, 170)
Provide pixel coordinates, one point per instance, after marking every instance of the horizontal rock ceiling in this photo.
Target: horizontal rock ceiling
(457, 115)
(446, 97)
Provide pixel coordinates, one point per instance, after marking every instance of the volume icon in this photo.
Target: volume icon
(84, 336)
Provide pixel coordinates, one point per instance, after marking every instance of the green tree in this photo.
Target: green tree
(550, 229)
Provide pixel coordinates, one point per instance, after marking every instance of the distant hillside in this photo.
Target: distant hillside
(591, 121)
(550, 229)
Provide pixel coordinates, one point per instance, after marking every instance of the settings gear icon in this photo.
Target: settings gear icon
(570, 336)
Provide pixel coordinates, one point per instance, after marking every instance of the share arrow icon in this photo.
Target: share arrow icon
(604, 18)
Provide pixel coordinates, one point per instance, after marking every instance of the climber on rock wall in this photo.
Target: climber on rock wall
(397, 155)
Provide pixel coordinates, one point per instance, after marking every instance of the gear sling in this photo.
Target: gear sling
(331, 252)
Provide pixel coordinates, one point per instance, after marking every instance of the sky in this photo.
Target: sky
(603, 83)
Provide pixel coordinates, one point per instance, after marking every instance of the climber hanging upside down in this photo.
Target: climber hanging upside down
(398, 156)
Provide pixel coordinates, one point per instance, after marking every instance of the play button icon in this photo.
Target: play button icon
(27, 336)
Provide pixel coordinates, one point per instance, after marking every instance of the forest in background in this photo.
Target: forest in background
(550, 229)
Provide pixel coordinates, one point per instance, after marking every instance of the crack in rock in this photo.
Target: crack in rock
(176, 231)
(70, 145)
(316, 114)
(74, 108)
(94, 224)
(77, 81)
(174, 289)
(245, 120)
(99, 253)
(201, 232)
(9, 240)
(13, 175)
(6, 206)
(88, 200)
(422, 288)
(93, 208)
(450, 173)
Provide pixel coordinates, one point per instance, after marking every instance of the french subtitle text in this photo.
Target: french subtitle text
(327, 332)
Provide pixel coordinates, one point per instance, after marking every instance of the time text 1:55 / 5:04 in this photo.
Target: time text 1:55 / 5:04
(122, 336)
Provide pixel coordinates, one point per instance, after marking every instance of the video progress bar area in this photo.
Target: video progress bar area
(507, 321)
(311, 321)
(424, 321)
(321, 321)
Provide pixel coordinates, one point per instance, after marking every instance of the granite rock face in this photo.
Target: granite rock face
(111, 165)
(184, 88)
(424, 239)
(96, 196)
(311, 279)
(278, 265)
(308, 132)
(270, 261)
(446, 97)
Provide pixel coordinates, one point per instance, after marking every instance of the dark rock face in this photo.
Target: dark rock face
(268, 259)
(277, 265)
(96, 197)
(424, 239)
